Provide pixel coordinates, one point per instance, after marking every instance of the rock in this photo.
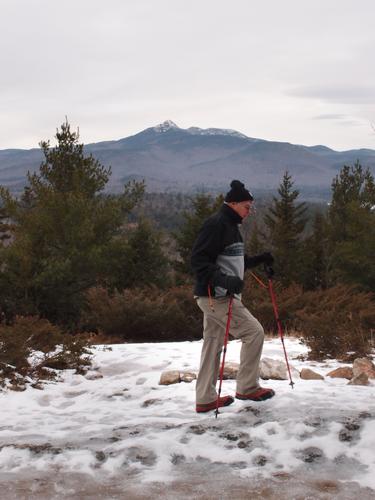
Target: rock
(169, 377)
(93, 375)
(275, 369)
(187, 377)
(177, 459)
(230, 371)
(17, 387)
(363, 365)
(361, 379)
(100, 456)
(37, 385)
(150, 402)
(308, 374)
(312, 454)
(175, 376)
(342, 372)
(260, 460)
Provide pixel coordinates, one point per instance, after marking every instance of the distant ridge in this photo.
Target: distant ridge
(172, 158)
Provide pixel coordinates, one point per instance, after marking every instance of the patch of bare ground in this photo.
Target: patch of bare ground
(280, 486)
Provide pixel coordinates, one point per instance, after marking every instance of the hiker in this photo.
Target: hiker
(218, 262)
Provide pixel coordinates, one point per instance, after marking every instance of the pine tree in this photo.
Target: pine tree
(285, 222)
(65, 226)
(315, 255)
(5, 227)
(255, 244)
(138, 259)
(202, 207)
(351, 224)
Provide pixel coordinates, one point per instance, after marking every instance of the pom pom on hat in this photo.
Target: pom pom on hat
(238, 193)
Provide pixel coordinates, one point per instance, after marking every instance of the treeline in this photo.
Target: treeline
(81, 260)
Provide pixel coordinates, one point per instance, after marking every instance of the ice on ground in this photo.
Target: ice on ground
(126, 425)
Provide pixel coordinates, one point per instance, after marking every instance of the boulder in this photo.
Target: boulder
(342, 372)
(230, 370)
(187, 377)
(169, 377)
(175, 376)
(93, 375)
(363, 365)
(308, 374)
(275, 369)
(361, 379)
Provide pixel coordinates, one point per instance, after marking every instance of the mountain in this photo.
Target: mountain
(171, 158)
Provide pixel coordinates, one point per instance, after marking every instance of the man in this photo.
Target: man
(218, 261)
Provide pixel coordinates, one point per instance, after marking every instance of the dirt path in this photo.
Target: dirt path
(42, 486)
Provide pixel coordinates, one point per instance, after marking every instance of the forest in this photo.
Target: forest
(80, 265)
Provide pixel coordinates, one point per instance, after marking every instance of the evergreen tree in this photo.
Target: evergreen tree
(285, 222)
(202, 207)
(5, 227)
(138, 259)
(64, 228)
(255, 244)
(351, 224)
(315, 255)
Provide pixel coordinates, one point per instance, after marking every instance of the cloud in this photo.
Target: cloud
(329, 116)
(341, 119)
(339, 93)
(263, 69)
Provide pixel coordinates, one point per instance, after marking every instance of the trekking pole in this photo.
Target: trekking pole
(224, 353)
(269, 272)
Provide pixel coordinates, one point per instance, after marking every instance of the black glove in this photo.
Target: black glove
(267, 258)
(269, 271)
(263, 258)
(233, 284)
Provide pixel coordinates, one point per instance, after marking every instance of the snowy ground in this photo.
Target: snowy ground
(125, 436)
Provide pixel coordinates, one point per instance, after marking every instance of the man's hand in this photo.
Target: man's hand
(269, 271)
(263, 258)
(233, 284)
(267, 258)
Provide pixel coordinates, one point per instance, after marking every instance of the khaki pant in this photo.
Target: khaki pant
(243, 326)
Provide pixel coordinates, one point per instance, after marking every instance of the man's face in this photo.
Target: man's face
(243, 208)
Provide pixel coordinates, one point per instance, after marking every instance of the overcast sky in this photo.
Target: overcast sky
(300, 71)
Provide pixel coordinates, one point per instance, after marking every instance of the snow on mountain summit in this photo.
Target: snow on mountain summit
(215, 131)
(165, 126)
(170, 125)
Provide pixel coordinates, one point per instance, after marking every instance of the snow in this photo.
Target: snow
(170, 125)
(125, 425)
(165, 126)
(215, 131)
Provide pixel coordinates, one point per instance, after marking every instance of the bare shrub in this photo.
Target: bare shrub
(144, 315)
(336, 322)
(31, 345)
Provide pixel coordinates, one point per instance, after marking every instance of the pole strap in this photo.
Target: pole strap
(260, 282)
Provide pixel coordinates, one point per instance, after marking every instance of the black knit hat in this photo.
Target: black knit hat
(238, 193)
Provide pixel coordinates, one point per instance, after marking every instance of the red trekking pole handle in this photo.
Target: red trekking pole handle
(269, 271)
(224, 353)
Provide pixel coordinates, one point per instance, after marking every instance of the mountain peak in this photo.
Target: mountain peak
(216, 131)
(165, 126)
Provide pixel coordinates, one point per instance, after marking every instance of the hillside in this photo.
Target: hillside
(170, 158)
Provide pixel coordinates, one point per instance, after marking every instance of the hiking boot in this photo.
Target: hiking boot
(223, 401)
(261, 394)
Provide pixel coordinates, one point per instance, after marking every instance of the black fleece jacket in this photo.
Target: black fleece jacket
(219, 250)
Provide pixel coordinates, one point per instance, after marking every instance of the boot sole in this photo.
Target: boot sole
(201, 409)
(263, 397)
